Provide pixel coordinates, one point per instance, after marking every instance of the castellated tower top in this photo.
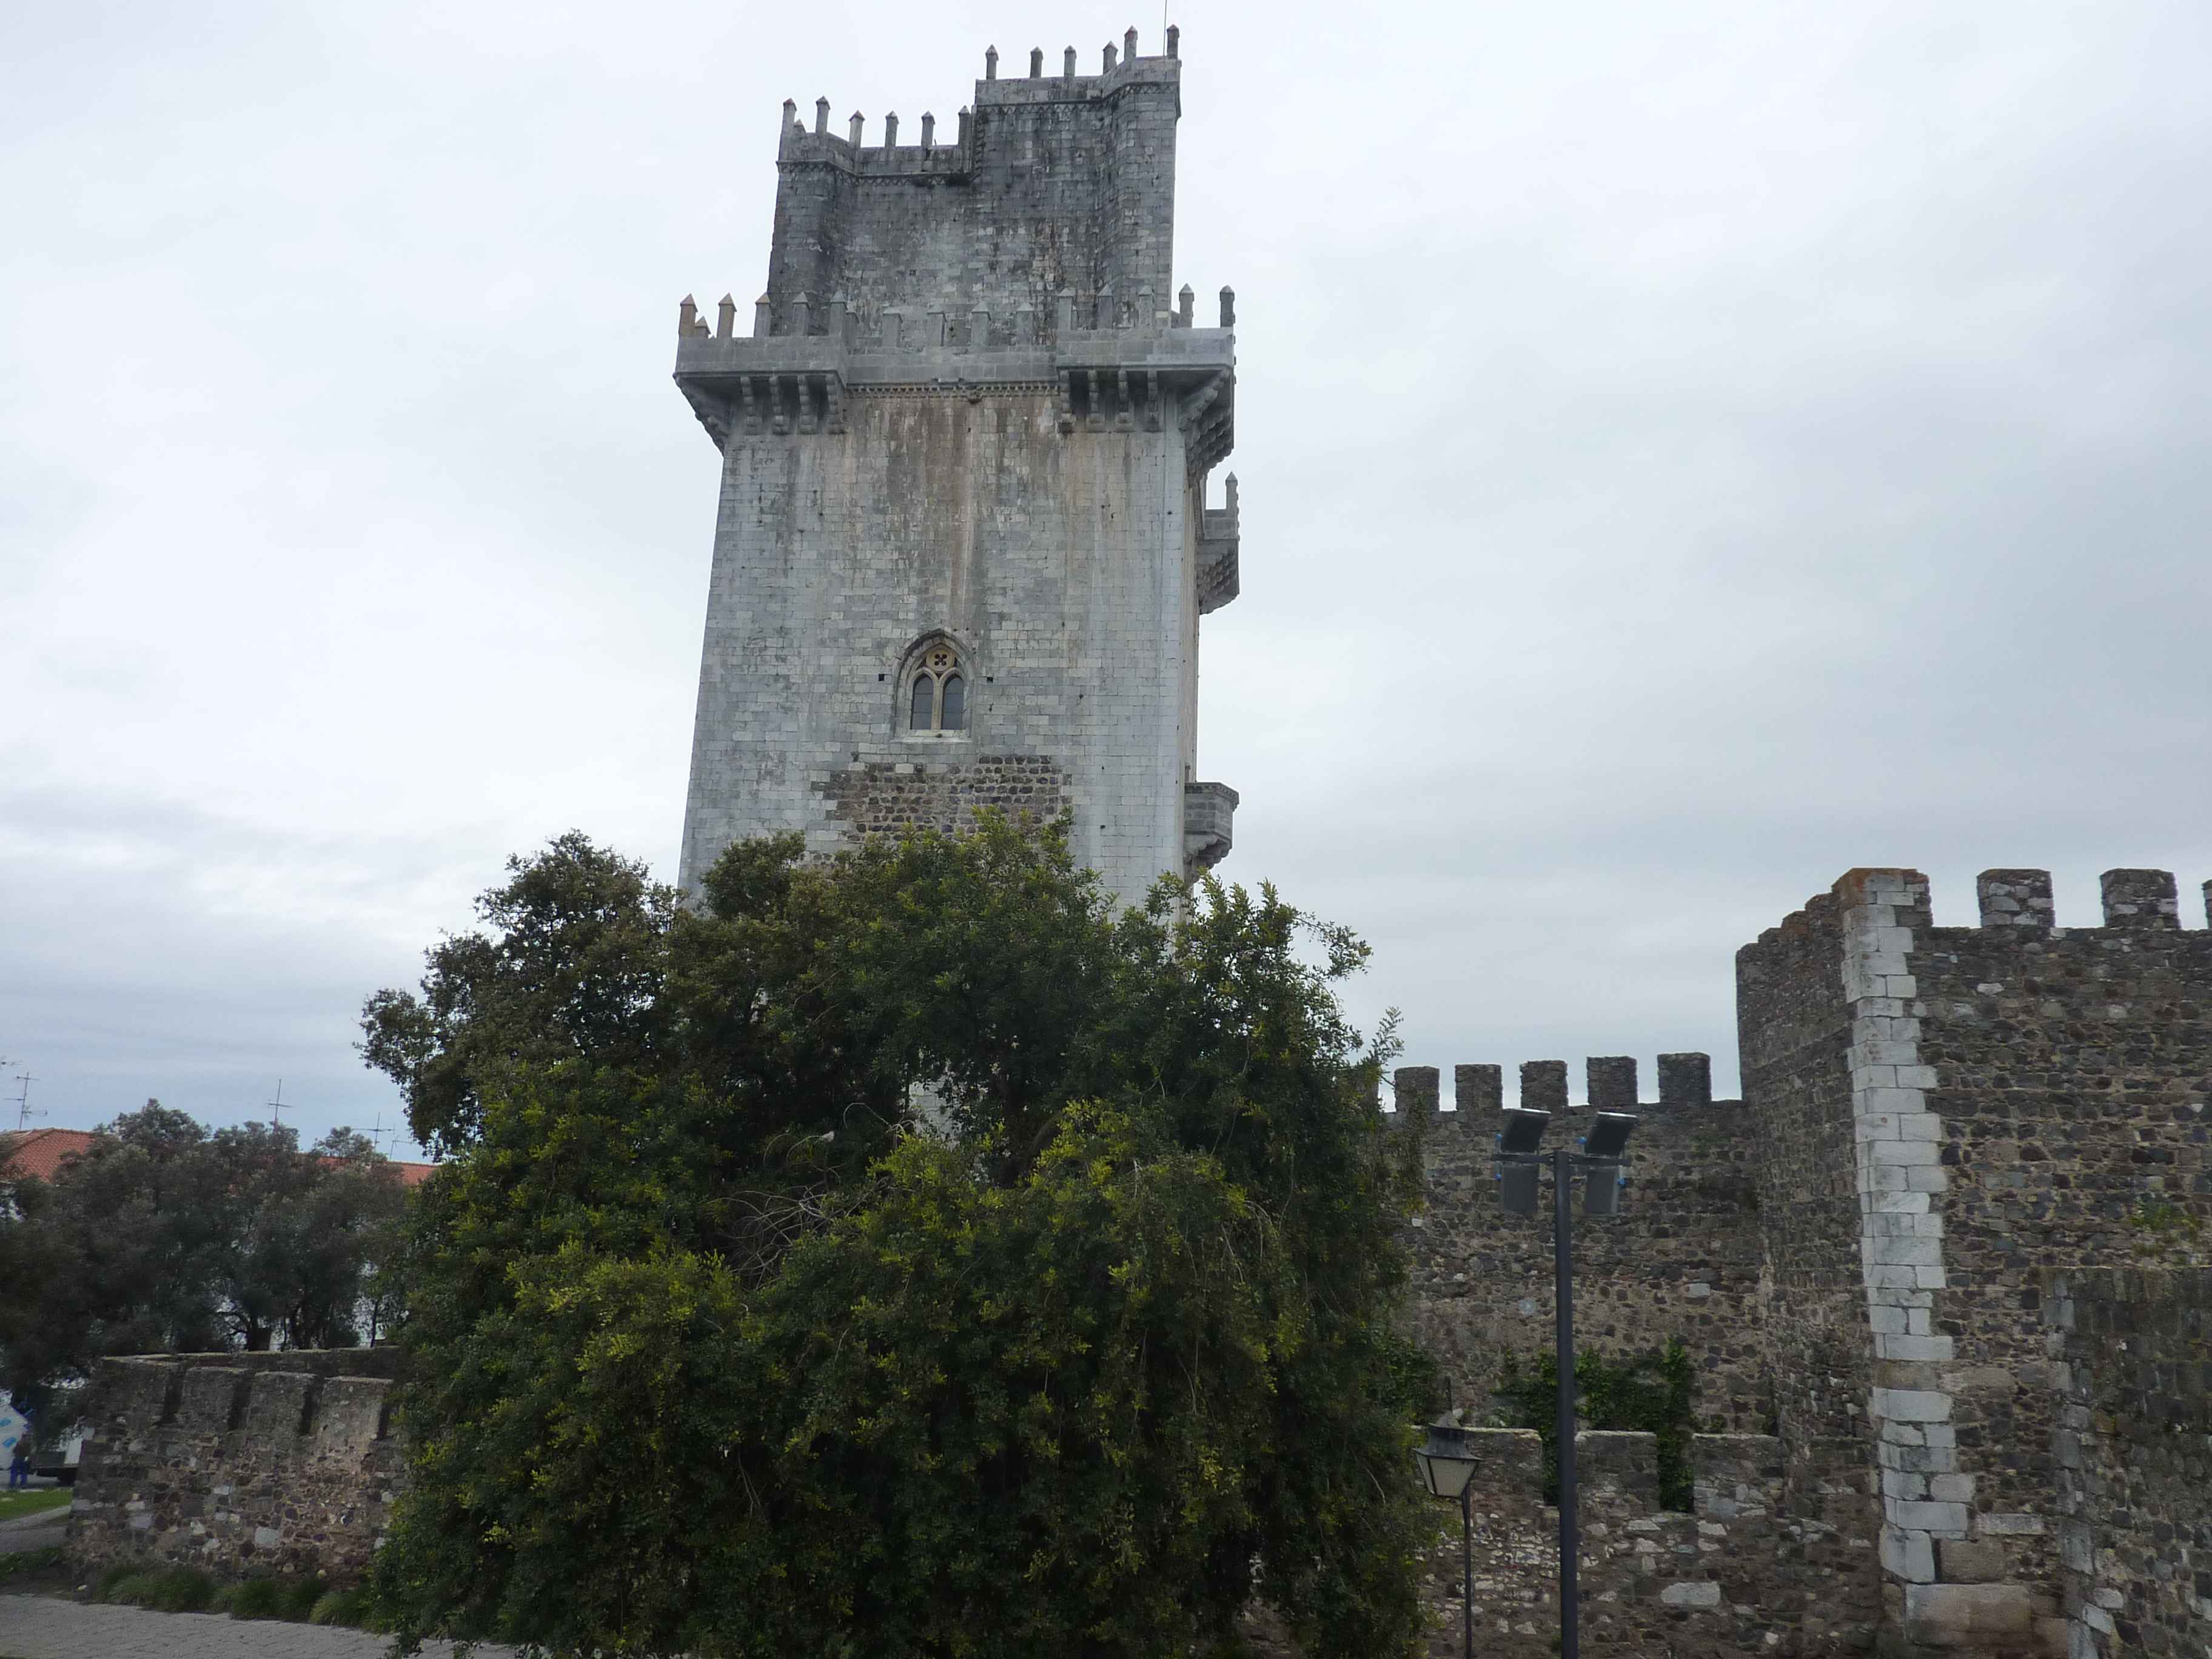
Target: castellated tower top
(1050, 183)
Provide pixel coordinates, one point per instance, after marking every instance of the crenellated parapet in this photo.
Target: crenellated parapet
(1681, 1259)
(960, 157)
(239, 1462)
(1107, 368)
(1954, 1115)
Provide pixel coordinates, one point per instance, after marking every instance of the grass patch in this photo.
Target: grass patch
(300, 1597)
(256, 1598)
(165, 1589)
(29, 1563)
(187, 1589)
(17, 1505)
(344, 1607)
(181, 1589)
(131, 1588)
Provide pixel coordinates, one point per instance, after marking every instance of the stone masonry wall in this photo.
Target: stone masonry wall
(2014, 1099)
(1059, 565)
(1726, 1582)
(2134, 1456)
(1050, 182)
(968, 410)
(892, 796)
(1681, 1259)
(279, 1462)
(1796, 1036)
(2071, 1066)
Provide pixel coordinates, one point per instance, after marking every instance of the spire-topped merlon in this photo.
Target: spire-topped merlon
(890, 131)
(821, 115)
(1129, 44)
(1184, 300)
(1068, 65)
(928, 131)
(856, 127)
(1108, 67)
(990, 62)
(1037, 63)
(1175, 40)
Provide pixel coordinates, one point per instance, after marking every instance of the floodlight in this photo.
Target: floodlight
(1517, 1186)
(1524, 1129)
(1609, 1136)
(1602, 1189)
(1602, 1149)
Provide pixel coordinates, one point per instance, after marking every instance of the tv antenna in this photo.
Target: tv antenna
(24, 1110)
(276, 1106)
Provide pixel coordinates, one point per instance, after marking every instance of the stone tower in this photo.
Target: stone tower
(963, 545)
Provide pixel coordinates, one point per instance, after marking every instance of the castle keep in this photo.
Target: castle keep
(963, 545)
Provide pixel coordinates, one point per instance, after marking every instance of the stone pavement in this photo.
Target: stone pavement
(34, 1531)
(44, 1627)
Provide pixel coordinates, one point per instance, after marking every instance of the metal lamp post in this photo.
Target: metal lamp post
(1518, 1162)
(1447, 1469)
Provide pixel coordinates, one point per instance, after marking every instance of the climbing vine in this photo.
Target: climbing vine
(1648, 1393)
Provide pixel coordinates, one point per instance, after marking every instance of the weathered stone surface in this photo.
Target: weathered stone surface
(969, 417)
(1968, 1615)
(235, 1462)
(2134, 1459)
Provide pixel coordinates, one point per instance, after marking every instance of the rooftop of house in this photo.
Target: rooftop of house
(41, 1153)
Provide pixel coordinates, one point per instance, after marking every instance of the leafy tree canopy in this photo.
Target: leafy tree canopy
(165, 1236)
(935, 1262)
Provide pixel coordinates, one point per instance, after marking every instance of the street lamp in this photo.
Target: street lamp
(1518, 1161)
(1447, 1468)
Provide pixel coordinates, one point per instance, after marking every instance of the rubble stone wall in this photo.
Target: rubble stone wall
(1681, 1259)
(239, 1463)
(2134, 1457)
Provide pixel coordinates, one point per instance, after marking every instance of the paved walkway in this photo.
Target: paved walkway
(44, 1627)
(34, 1531)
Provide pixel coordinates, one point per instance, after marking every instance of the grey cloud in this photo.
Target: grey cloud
(1686, 453)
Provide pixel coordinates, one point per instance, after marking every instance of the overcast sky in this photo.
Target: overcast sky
(1687, 450)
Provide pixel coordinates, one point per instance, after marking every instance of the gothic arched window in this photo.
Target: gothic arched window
(937, 700)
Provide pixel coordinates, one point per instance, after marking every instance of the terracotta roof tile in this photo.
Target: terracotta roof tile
(39, 1151)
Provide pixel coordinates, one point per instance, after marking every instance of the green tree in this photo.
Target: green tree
(965, 1268)
(165, 1237)
(573, 965)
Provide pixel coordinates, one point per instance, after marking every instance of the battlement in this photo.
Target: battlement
(316, 1412)
(232, 1460)
(1047, 186)
(1121, 72)
(2010, 902)
(1686, 1083)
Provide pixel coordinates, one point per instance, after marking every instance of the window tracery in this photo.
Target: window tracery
(937, 693)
